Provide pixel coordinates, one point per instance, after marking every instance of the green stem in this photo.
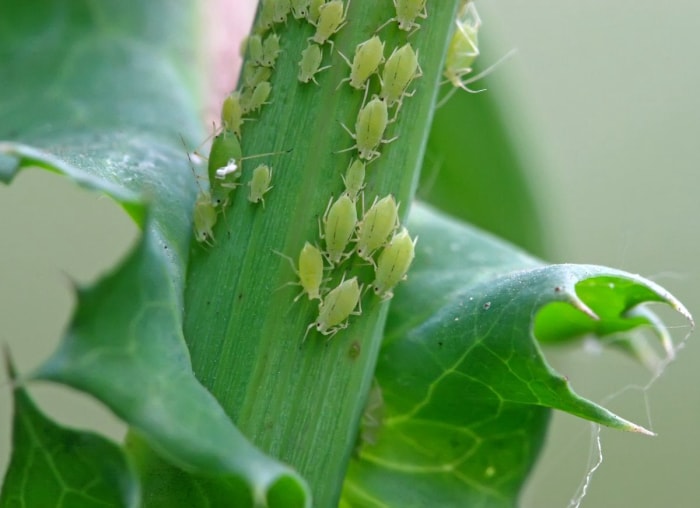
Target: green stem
(302, 401)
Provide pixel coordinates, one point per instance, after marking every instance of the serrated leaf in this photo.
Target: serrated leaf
(98, 93)
(465, 384)
(52, 465)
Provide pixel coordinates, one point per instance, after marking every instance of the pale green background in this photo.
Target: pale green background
(610, 90)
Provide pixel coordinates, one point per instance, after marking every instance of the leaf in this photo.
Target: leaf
(109, 118)
(465, 384)
(73, 468)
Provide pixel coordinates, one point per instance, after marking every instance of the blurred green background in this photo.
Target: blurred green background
(609, 91)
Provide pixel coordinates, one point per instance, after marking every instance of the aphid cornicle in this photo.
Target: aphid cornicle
(300, 8)
(260, 183)
(331, 18)
(310, 62)
(369, 129)
(204, 218)
(232, 113)
(354, 178)
(339, 222)
(310, 271)
(368, 56)
(270, 50)
(393, 264)
(373, 231)
(336, 307)
(407, 11)
(399, 70)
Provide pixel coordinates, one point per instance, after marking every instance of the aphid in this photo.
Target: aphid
(310, 271)
(261, 92)
(337, 306)
(331, 18)
(232, 113)
(393, 264)
(204, 218)
(254, 74)
(339, 222)
(260, 183)
(462, 53)
(376, 225)
(281, 9)
(266, 19)
(309, 64)
(368, 56)
(254, 46)
(271, 50)
(224, 158)
(400, 69)
(354, 178)
(406, 13)
(369, 129)
(300, 8)
(314, 11)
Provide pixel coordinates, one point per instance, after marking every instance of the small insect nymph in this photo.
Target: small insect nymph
(254, 74)
(400, 70)
(254, 47)
(310, 272)
(368, 56)
(281, 9)
(271, 50)
(463, 49)
(300, 8)
(261, 92)
(336, 307)
(310, 62)
(260, 183)
(354, 179)
(376, 225)
(406, 13)
(331, 18)
(393, 264)
(204, 218)
(369, 129)
(232, 113)
(314, 11)
(339, 222)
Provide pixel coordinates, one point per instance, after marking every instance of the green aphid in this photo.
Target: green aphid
(254, 74)
(254, 46)
(400, 69)
(260, 184)
(370, 125)
(336, 307)
(310, 271)
(339, 223)
(377, 224)
(354, 179)
(368, 56)
(224, 167)
(232, 113)
(463, 49)
(271, 50)
(407, 11)
(204, 218)
(260, 94)
(314, 11)
(331, 18)
(310, 62)
(300, 8)
(393, 264)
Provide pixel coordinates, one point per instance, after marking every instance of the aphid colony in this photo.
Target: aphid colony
(350, 244)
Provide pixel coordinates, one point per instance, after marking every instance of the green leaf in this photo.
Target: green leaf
(98, 92)
(52, 465)
(465, 385)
